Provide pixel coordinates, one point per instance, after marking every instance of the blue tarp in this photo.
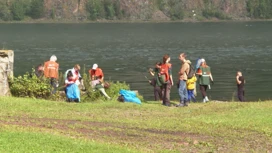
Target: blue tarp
(72, 91)
(130, 96)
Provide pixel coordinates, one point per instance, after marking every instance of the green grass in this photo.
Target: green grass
(122, 127)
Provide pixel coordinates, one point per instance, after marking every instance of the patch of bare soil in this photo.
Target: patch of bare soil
(160, 16)
(150, 139)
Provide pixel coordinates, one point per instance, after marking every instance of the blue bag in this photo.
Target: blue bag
(130, 96)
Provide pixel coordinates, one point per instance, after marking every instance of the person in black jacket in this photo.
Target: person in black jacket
(240, 80)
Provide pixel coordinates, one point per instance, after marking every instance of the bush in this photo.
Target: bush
(30, 86)
(36, 9)
(208, 13)
(109, 9)
(18, 9)
(5, 13)
(112, 91)
(95, 9)
(259, 8)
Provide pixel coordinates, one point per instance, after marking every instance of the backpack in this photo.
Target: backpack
(164, 75)
(191, 72)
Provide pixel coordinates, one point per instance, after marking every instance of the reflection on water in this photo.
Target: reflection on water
(126, 51)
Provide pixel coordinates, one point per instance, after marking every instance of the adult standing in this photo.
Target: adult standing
(240, 80)
(183, 72)
(51, 71)
(166, 69)
(205, 78)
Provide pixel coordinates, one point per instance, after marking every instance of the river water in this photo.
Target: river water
(125, 51)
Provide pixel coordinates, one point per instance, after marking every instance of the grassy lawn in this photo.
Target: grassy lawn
(31, 125)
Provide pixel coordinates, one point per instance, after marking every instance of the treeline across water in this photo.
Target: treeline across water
(134, 10)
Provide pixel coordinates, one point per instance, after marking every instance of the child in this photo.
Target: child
(190, 88)
(155, 81)
(71, 90)
(240, 80)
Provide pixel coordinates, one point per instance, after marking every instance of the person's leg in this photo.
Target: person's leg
(53, 83)
(193, 96)
(240, 95)
(163, 94)
(206, 97)
(104, 92)
(167, 93)
(156, 93)
(182, 95)
(189, 95)
(185, 92)
(202, 90)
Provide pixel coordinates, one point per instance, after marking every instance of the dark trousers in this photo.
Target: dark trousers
(241, 95)
(54, 82)
(166, 89)
(203, 89)
(157, 93)
(191, 95)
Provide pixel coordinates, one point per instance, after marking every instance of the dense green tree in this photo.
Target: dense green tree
(36, 9)
(18, 10)
(5, 13)
(95, 9)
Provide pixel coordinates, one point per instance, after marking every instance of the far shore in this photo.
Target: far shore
(45, 21)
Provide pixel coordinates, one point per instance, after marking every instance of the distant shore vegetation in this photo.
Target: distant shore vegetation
(141, 10)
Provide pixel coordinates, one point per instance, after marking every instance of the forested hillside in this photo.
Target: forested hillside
(143, 10)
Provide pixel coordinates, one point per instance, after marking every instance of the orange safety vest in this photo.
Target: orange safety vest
(51, 69)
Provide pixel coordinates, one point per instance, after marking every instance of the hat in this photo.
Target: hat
(188, 61)
(202, 60)
(95, 66)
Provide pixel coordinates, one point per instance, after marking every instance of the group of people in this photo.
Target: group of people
(187, 78)
(72, 77)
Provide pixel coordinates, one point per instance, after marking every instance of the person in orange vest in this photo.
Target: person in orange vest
(51, 71)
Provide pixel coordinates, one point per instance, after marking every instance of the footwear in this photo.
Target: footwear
(168, 105)
(204, 100)
(186, 104)
(180, 105)
(207, 99)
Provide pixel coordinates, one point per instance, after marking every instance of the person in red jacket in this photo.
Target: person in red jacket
(166, 69)
(51, 71)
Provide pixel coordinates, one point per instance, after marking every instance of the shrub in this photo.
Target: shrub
(259, 8)
(36, 9)
(113, 91)
(109, 9)
(208, 13)
(95, 9)
(30, 86)
(18, 9)
(5, 13)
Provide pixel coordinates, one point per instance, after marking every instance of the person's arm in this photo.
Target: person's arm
(102, 79)
(182, 70)
(151, 72)
(57, 71)
(211, 77)
(170, 75)
(199, 72)
(68, 82)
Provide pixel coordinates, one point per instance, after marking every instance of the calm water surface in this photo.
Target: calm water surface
(125, 51)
